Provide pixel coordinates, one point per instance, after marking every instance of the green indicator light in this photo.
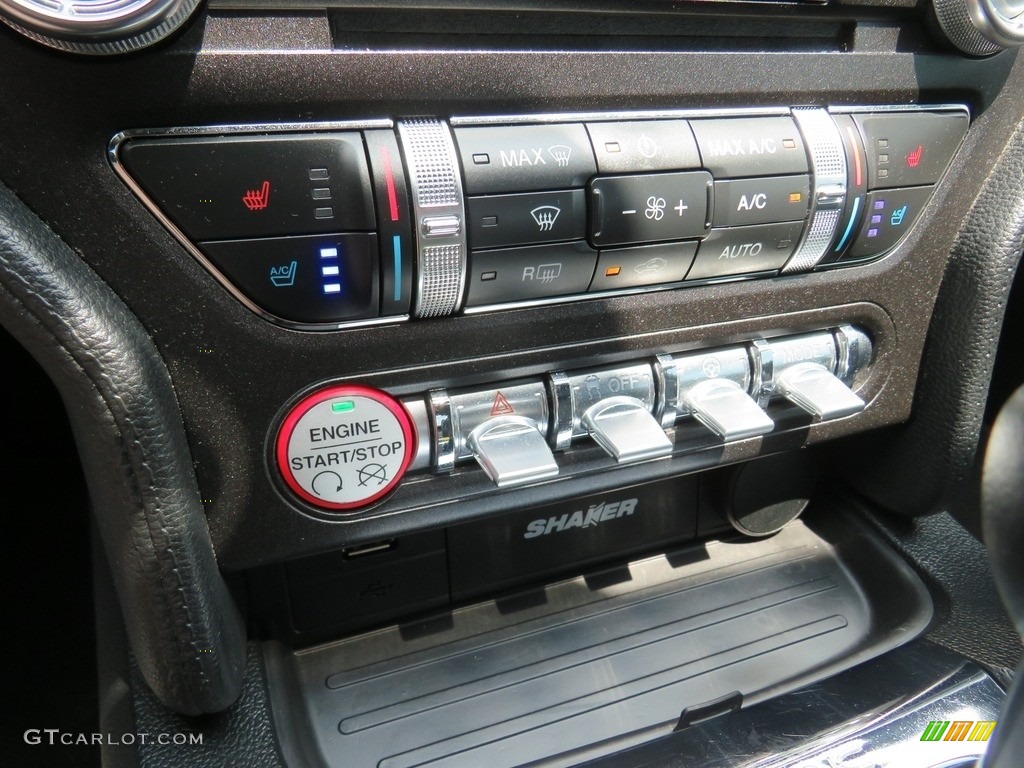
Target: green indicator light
(343, 407)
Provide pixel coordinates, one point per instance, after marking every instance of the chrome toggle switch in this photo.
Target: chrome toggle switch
(512, 451)
(625, 428)
(818, 391)
(713, 387)
(724, 407)
(811, 370)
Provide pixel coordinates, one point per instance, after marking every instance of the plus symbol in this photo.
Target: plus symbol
(681, 208)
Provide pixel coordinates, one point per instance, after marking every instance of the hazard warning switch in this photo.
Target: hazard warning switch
(344, 447)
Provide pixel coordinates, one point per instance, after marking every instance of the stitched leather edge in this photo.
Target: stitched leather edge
(183, 625)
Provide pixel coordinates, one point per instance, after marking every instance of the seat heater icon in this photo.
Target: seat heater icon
(545, 216)
(257, 199)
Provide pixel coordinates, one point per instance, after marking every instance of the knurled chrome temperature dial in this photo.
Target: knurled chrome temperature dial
(96, 27)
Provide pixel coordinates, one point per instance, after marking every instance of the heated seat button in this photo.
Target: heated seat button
(760, 201)
(889, 215)
(647, 145)
(235, 187)
(534, 217)
(750, 146)
(912, 149)
(313, 279)
(648, 208)
(534, 272)
(642, 265)
(524, 158)
(742, 250)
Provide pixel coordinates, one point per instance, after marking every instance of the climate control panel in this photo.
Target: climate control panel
(323, 226)
(345, 446)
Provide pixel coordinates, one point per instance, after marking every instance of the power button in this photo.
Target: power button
(345, 446)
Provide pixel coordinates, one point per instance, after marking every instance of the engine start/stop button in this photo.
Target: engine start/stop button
(345, 446)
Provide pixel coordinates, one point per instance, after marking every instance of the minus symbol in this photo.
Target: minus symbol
(629, 213)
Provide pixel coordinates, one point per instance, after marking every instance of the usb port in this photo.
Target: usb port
(365, 550)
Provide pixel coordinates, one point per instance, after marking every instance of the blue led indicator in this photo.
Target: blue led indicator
(330, 271)
(849, 227)
(397, 240)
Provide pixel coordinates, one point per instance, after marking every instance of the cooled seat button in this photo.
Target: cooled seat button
(888, 216)
(315, 279)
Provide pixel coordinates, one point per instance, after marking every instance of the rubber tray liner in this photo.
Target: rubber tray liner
(588, 666)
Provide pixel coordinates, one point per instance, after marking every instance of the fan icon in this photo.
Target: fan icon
(655, 208)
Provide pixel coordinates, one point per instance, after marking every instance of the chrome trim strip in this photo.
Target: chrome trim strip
(661, 114)
(550, 300)
(666, 390)
(561, 410)
(762, 364)
(852, 110)
(417, 408)
(442, 430)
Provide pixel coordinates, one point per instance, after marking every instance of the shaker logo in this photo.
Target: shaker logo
(595, 514)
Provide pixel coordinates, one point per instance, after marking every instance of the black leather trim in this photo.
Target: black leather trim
(926, 466)
(243, 735)
(1002, 505)
(183, 625)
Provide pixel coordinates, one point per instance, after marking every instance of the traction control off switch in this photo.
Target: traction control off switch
(345, 447)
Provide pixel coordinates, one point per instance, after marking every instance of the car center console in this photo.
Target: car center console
(322, 227)
(527, 332)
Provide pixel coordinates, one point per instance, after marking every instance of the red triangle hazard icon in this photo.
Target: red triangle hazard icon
(501, 406)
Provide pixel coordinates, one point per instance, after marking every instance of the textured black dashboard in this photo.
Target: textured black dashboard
(233, 372)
